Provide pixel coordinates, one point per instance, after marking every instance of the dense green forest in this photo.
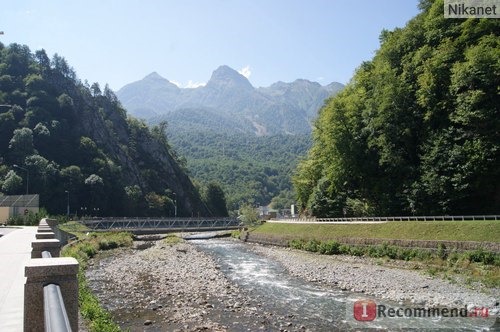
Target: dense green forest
(416, 131)
(250, 169)
(75, 141)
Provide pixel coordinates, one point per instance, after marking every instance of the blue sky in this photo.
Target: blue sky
(121, 41)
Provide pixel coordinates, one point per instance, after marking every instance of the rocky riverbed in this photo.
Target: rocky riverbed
(366, 275)
(163, 287)
(176, 288)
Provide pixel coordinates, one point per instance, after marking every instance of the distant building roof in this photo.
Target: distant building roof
(20, 200)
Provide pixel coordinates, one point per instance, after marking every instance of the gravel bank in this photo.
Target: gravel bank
(176, 288)
(364, 275)
(162, 287)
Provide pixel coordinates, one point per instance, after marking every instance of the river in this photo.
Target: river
(326, 306)
(256, 293)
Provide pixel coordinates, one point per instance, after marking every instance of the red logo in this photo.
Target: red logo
(365, 310)
(479, 312)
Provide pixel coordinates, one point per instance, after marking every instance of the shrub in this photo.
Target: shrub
(329, 248)
(388, 250)
(312, 245)
(296, 244)
(407, 254)
(89, 249)
(482, 256)
(357, 251)
(345, 249)
(106, 244)
(441, 251)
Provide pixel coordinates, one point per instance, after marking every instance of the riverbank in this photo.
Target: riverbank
(397, 281)
(161, 285)
(485, 232)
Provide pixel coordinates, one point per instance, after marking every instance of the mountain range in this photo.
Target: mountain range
(228, 101)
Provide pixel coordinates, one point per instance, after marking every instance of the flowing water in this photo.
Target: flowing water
(316, 306)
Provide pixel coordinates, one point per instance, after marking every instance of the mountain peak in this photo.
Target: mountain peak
(225, 76)
(154, 76)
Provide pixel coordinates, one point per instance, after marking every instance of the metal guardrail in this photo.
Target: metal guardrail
(401, 218)
(56, 317)
(161, 223)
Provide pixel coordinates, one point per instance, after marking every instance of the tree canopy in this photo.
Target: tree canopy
(75, 140)
(416, 131)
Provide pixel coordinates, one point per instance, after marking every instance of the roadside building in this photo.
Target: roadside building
(14, 205)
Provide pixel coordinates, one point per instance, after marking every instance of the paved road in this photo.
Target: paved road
(15, 251)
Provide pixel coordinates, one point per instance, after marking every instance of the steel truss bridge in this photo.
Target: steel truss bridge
(161, 225)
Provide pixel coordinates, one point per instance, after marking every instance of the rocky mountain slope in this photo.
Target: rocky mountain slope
(228, 101)
(77, 143)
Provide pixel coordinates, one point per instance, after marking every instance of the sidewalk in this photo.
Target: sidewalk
(15, 251)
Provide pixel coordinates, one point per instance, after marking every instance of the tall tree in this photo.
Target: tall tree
(416, 130)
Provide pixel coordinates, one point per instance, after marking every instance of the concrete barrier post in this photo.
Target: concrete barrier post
(41, 272)
(50, 222)
(51, 245)
(44, 229)
(45, 235)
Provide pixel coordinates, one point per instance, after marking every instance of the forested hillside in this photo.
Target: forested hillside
(416, 131)
(250, 169)
(75, 140)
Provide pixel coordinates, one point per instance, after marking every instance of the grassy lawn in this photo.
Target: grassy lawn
(487, 231)
(75, 228)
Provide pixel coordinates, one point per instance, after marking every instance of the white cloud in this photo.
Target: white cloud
(192, 85)
(245, 71)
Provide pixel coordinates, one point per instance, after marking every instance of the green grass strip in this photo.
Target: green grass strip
(479, 230)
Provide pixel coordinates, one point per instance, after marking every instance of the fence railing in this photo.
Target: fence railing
(56, 318)
(161, 223)
(400, 218)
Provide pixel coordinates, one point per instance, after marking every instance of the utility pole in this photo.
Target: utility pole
(175, 205)
(67, 206)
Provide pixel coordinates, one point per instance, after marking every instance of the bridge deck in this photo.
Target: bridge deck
(162, 225)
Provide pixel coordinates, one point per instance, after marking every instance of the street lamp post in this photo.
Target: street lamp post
(67, 200)
(27, 177)
(175, 205)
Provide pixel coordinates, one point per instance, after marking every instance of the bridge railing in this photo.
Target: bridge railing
(51, 289)
(160, 223)
(399, 218)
